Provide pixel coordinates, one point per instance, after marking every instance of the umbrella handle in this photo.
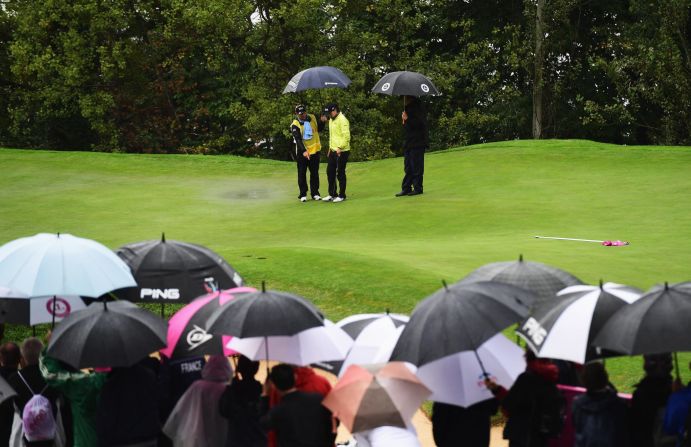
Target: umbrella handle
(482, 366)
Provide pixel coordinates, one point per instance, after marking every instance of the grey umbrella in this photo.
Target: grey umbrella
(107, 334)
(460, 318)
(317, 78)
(405, 83)
(541, 279)
(657, 322)
(6, 390)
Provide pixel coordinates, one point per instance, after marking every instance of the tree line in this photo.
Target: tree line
(184, 76)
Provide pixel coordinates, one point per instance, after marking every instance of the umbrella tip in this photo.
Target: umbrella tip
(446, 287)
(387, 311)
(263, 286)
(601, 283)
(520, 257)
(163, 237)
(666, 285)
(58, 235)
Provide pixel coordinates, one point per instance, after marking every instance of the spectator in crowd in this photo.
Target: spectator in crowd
(9, 364)
(454, 426)
(533, 405)
(127, 413)
(649, 400)
(299, 419)
(599, 415)
(240, 405)
(195, 421)
(678, 416)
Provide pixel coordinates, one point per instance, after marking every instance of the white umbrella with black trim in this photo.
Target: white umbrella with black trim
(565, 327)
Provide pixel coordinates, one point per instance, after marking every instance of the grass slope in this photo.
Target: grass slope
(481, 204)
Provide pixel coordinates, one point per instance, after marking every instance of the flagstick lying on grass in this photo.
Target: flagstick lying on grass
(605, 243)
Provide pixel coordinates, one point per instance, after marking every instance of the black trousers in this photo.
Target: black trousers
(414, 168)
(336, 169)
(313, 165)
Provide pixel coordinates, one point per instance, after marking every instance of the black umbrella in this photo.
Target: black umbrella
(564, 327)
(317, 78)
(6, 390)
(657, 323)
(173, 271)
(107, 334)
(405, 83)
(265, 314)
(541, 279)
(460, 318)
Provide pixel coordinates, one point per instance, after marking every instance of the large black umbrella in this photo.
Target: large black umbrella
(6, 390)
(657, 323)
(265, 314)
(460, 318)
(173, 271)
(405, 83)
(317, 78)
(107, 334)
(564, 327)
(541, 279)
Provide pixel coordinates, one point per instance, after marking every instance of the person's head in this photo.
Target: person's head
(217, 369)
(333, 109)
(594, 376)
(247, 368)
(301, 111)
(658, 365)
(283, 377)
(10, 355)
(31, 350)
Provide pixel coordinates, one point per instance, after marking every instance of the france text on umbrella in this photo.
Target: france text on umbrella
(565, 327)
(61, 264)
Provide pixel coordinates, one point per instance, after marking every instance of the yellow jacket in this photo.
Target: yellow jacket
(339, 133)
(313, 145)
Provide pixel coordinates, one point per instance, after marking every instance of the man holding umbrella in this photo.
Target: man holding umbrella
(307, 147)
(416, 141)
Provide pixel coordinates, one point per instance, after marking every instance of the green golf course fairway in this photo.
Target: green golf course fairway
(374, 251)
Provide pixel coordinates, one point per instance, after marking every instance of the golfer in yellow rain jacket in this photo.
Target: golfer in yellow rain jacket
(339, 152)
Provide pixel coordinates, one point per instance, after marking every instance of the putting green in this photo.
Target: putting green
(375, 251)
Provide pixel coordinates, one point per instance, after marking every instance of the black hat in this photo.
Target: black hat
(300, 109)
(330, 106)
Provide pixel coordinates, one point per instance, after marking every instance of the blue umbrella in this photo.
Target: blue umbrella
(317, 78)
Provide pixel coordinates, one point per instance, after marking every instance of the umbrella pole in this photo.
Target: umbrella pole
(266, 351)
(33, 331)
(52, 318)
(162, 309)
(482, 366)
(676, 366)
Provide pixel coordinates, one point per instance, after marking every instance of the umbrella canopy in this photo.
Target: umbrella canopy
(374, 336)
(541, 279)
(408, 83)
(6, 390)
(38, 310)
(564, 328)
(460, 318)
(368, 397)
(317, 344)
(187, 336)
(657, 322)
(61, 264)
(265, 314)
(174, 271)
(458, 379)
(317, 78)
(107, 335)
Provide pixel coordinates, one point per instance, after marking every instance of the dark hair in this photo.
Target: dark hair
(10, 354)
(658, 364)
(283, 377)
(594, 376)
(246, 367)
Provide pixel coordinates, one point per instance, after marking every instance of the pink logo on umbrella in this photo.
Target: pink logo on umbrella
(61, 306)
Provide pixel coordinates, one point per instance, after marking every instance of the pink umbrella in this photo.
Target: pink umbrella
(187, 335)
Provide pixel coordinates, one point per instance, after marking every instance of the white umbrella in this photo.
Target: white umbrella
(374, 344)
(458, 379)
(18, 308)
(61, 264)
(564, 327)
(317, 344)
